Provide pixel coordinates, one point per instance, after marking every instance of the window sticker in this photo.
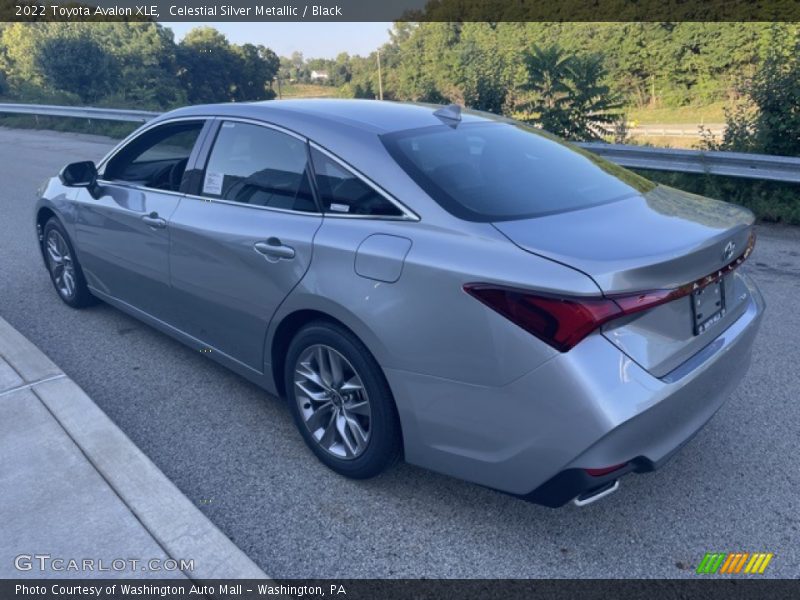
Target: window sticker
(339, 207)
(213, 183)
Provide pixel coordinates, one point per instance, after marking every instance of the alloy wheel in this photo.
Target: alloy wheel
(61, 264)
(333, 402)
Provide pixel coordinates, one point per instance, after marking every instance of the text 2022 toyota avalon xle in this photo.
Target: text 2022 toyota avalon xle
(454, 288)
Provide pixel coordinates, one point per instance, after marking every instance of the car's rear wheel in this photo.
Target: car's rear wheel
(341, 402)
(62, 264)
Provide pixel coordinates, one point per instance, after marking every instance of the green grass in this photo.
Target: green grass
(711, 113)
(306, 90)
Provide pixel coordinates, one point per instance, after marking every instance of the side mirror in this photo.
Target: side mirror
(79, 174)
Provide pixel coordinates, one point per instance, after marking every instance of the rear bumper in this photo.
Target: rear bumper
(590, 408)
(572, 483)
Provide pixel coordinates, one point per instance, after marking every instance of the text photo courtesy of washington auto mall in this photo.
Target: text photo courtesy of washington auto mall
(409, 299)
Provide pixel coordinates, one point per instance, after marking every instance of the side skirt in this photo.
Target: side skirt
(262, 380)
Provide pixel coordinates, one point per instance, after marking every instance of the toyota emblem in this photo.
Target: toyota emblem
(727, 252)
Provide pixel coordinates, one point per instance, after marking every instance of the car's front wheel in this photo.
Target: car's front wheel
(341, 402)
(65, 271)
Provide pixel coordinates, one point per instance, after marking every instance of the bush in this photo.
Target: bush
(767, 120)
(30, 93)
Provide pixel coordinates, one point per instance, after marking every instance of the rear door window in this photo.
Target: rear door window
(259, 166)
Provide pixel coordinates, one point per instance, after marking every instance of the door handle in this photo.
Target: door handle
(273, 248)
(153, 220)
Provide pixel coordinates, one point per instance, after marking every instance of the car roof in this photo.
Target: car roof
(348, 129)
(372, 116)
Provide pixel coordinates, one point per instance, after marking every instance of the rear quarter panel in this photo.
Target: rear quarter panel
(424, 322)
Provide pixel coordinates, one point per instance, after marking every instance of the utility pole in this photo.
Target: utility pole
(280, 96)
(380, 78)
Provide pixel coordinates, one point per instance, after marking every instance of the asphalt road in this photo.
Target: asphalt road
(234, 450)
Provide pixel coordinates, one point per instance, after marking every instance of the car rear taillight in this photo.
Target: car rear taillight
(563, 321)
(560, 322)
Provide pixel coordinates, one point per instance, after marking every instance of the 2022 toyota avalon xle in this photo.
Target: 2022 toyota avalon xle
(454, 288)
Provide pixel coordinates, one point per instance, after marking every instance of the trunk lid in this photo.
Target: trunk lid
(658, 240)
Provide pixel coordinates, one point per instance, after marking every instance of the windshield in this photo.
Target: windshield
(501, 171)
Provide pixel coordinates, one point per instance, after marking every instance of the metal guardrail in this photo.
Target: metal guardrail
(731, 164)
(79, 112)
(680, 131)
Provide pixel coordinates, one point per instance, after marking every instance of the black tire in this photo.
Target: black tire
(384, 444)
(80, 296)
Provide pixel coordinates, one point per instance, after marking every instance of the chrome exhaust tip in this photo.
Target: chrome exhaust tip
(596, 494)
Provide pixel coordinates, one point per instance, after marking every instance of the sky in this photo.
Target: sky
(313, 39)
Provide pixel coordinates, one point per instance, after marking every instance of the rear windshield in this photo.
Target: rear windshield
(501, 171)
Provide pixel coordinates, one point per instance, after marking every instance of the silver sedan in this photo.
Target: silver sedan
(449, 287)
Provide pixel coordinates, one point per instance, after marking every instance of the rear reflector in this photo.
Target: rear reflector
(562, 322)
(604, 470)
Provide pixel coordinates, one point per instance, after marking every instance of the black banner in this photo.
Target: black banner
(707, 587)
(402, 10)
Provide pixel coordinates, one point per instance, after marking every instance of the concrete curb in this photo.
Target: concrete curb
(178, 526)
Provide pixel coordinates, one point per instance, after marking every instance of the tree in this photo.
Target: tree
(340, 71)
(140, 58)
(567, 94)
(593, 109)
(211, 69)
(479, 68)
(775, 91)
(668, 64)
(768, 120)
(297, 60)
(426, 63)
(547, 82)
(258, 67)
(146, 55)
(79, 65)
(206, 66)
